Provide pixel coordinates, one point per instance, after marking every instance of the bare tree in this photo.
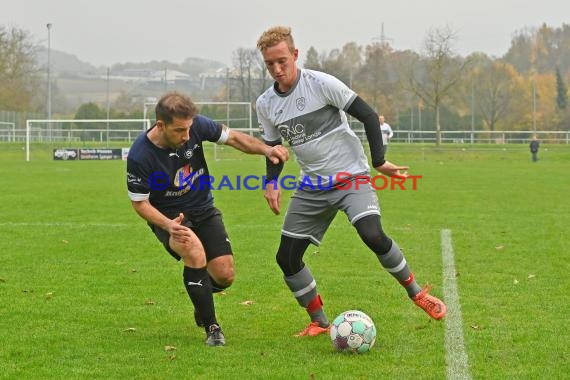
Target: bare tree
(18, 70)
(242, 60)
(373, 76)
(439, 71)
(249, 73)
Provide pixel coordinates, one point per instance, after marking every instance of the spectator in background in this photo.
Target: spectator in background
(387, 133)
(534, 145)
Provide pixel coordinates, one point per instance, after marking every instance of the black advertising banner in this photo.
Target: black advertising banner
(90, 154)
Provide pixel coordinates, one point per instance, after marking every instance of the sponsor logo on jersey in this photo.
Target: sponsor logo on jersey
(131, 178)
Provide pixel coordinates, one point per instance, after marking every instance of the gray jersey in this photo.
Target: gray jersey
(310, 116)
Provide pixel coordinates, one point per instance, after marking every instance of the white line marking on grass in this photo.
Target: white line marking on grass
(455, 355)
(65, 224)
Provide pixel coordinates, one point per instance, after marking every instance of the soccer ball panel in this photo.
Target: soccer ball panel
(344, 329)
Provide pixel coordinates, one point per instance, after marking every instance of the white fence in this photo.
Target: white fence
(472, 137)
(62, 133)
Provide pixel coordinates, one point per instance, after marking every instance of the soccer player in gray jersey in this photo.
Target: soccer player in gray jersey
(307, 108)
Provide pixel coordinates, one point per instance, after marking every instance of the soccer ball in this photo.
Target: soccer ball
(353, 331)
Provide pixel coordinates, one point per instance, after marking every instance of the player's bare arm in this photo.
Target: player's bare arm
(174, 226)
(249, 144)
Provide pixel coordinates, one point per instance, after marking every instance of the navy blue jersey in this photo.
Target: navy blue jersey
(173, 181)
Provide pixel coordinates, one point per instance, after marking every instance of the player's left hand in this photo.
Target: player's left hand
(393, 170)
(278, 154)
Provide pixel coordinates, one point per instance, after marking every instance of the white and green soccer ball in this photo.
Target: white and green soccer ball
(353, 331)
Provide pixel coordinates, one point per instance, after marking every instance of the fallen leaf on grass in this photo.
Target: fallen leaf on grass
(130, 329)
(49, 295)
(149, 302)
(476, 327)
(65, 241)
(133, 270)
(531, 275)
(499, 247)
(515, 281)
(247, 303)
(169, 348)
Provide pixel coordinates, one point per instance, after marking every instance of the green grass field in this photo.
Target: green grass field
(87, 292)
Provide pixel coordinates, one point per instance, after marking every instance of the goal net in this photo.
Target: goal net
(91, 133)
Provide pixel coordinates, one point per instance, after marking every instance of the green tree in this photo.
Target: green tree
(312, 61)
(89, 111)
(561, 91)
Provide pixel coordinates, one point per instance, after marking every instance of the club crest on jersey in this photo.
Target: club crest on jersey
(188, 154)
(300, 102)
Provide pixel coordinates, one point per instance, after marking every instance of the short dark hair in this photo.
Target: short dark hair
(175, 104)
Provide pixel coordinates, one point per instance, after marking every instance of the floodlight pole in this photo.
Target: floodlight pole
(48, 72)
(108, 106)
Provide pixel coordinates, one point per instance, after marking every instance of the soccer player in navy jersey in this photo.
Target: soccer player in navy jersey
(168, 185)
(308, 109)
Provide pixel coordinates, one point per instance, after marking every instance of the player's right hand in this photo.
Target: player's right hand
(273, 197)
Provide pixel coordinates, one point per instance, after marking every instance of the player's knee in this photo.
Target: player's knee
(222, 271)
(290, 254)
(288, 264)
(225, 278)
(371, 233)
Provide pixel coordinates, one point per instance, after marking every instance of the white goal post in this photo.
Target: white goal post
(105, 129)
(8, 134)
(236, 115)
(228, 117)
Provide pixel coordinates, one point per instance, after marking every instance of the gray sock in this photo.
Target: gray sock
(395, 263)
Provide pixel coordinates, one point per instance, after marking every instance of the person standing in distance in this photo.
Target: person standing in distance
(387, 133)
(307, 108)
(534, 145)
(168, 185)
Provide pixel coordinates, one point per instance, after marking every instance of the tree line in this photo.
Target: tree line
(433, 89)
(439, 89)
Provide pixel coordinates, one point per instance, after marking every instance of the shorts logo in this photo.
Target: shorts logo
(300, 103)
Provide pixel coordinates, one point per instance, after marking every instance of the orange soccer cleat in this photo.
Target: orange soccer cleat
(431, 305)
(314, 329)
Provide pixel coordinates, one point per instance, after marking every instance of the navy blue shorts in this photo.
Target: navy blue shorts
(209, 227)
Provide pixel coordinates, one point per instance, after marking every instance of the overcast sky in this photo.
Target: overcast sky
(105, 32)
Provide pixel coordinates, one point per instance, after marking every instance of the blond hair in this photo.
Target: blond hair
(275, 35)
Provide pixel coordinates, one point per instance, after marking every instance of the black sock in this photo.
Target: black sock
(199, 287)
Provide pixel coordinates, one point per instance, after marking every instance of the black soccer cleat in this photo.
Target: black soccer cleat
(215, 336)
(198, 318)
